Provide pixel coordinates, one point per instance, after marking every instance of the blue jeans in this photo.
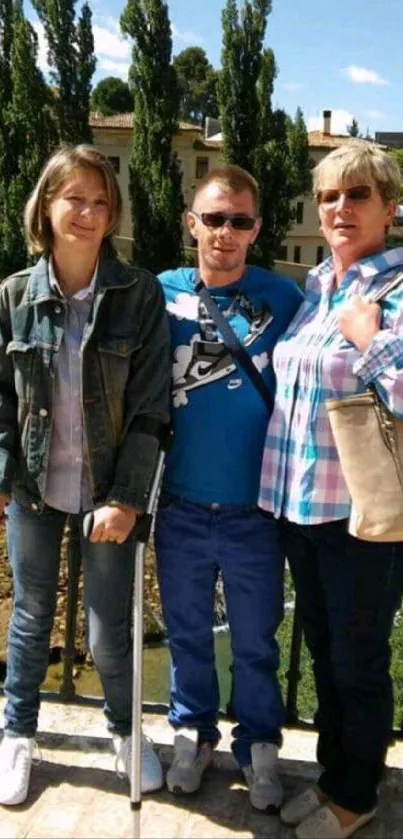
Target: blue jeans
(34, 541)
(348, 592)
(193, 542)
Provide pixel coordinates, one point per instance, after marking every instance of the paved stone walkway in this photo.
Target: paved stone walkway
(75, 791)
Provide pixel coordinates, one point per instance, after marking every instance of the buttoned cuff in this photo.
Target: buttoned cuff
(385, 350)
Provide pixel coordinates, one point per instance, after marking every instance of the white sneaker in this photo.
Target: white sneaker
(265, 790)
(15, 768)
(151, 770)
(189, 761)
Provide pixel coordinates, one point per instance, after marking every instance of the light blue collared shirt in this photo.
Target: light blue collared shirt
(68, 484)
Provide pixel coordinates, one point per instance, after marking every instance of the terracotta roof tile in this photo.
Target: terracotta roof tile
(126, 121)
(316, 139)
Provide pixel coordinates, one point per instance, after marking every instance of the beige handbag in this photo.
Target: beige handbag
(369, 441)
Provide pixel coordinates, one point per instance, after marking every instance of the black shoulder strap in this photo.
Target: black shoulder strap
(234, 345)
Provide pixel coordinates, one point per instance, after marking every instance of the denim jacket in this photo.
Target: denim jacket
(125, 380)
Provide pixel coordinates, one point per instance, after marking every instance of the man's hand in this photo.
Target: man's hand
(360, 321)
(113, 523)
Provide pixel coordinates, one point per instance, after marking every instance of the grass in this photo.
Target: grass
(306, 687)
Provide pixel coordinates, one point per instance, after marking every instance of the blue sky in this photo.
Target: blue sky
(346, 55)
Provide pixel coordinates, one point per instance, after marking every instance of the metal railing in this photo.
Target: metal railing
(67, 692)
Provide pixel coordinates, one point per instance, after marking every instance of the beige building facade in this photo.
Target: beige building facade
(304, 246)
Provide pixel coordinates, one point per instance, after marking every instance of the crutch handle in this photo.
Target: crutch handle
(141, 530)
(88, 524)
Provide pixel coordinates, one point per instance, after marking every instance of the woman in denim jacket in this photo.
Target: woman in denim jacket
(84, 387)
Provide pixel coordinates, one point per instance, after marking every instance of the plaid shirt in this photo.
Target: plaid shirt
(301, 473)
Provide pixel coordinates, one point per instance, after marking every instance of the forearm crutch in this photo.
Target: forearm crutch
(141, 533)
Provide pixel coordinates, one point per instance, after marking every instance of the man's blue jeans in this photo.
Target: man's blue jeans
(348, 592)
(34, 541)
(193, 542)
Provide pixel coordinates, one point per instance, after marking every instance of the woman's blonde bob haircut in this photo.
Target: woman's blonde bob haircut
(355, 164)
(59, 168)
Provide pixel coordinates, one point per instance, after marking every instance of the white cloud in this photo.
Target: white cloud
(111, 49)
(338, 125)
(42, 46)
(360, 75)
(109, 41)
(114, 68)
(187, 36)
(292, 87)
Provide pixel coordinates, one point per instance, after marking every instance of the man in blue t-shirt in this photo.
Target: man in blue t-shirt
(208, 518)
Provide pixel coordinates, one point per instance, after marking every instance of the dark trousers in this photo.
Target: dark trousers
(348, 592)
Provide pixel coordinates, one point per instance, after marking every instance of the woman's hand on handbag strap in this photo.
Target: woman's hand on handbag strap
(360, 321)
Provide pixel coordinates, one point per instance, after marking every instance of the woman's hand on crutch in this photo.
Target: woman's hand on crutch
(113, 523)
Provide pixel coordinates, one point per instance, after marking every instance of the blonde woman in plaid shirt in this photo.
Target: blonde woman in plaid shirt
(347, 590)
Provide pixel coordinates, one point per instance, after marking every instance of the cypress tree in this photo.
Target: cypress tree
(72, 62)
(266, 143)
(26, 137)
(155, 178)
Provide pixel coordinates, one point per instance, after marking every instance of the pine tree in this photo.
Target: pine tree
(27, 131)
(266, 143)
(155, 178)
(72, 62)
(198, 85)
(112, 96)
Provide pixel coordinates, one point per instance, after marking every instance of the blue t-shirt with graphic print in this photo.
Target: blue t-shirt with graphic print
(219, 418)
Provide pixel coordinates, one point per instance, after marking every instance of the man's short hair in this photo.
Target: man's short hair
(233, 178)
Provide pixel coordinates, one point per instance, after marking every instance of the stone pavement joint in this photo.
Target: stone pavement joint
(75, 791)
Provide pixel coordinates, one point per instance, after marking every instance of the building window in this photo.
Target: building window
(201, 167)
(300, 212)
(319, 254)
(297, 253)
(282, 253)
(115, 163)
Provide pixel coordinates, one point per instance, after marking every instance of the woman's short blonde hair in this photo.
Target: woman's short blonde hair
(59, 168)
(358, 163)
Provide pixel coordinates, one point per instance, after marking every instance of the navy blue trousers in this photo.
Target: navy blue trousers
(193, 542)
(348, 592)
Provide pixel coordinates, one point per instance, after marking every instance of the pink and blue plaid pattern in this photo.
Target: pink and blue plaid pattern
(301, 474)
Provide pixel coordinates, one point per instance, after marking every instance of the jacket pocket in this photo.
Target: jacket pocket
(115, 356)
(22, 355)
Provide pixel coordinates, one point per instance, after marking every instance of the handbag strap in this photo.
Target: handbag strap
(233, 344)
(385, 289)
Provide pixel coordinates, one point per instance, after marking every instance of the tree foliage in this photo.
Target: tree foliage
(155, 177)
(198, 85)
(26, 131)
(72, 62)
(397, 155)
(353, 129)
(267, 143)
(112, 96)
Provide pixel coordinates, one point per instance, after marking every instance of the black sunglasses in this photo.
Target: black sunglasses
(330, 197)
(216, 220)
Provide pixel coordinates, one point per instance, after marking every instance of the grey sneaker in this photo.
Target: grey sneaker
(152, 777)
(16, 755)
(189, 762)
(265, 790)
